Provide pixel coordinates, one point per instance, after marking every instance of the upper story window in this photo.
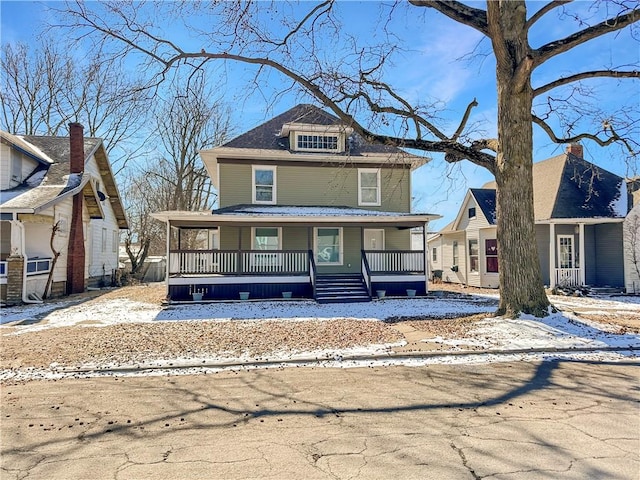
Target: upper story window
(264, 184)
(317, 142)
(472, 212)
(369, 186)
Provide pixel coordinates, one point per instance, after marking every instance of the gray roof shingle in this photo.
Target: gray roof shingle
(266, 136)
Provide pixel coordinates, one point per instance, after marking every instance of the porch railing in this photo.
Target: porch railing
(568, 277)
(397, 261)
(238, 262)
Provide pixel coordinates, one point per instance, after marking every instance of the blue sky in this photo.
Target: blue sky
(431, 71)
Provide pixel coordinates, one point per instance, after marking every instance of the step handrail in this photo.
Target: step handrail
(312, 272)
(366, 271)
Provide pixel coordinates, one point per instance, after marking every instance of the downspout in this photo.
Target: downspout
(25, 298)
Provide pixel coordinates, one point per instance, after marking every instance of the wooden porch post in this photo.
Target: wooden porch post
(552, 255)
(424, 257)
(582, 258)
(168, 266)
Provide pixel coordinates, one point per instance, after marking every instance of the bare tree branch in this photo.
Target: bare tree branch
(613, 136)
(473, 17)
(544, 10)
(551, 49)
(583, 75)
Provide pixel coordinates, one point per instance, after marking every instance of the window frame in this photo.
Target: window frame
(492, 255)
(104, 240)
(573, 251)
(254, 169)
(297, 140)
(434, 254)
(253, 239)
(378, 173)
(472, 255)
(340, 246)
(455, 253)
(469, 212)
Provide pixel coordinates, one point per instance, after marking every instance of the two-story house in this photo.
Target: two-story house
(307, 209)
(65, 182)
(579, 212)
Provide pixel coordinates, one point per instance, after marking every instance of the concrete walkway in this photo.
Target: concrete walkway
(549, 420)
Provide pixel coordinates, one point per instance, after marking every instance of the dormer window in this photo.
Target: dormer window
(317, 142)
(307, 137)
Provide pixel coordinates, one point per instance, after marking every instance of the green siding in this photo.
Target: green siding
(316, 185)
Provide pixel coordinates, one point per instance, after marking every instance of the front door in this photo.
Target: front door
(565, 251)
(373, 239)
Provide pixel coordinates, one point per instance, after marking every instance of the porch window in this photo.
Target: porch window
(369, 186)
(565, 251)
(264, 184)
(473, 255)
(266, 238)
(434, 254)
(115, 241)
(329, 246)
(36, 266)
(491, 254)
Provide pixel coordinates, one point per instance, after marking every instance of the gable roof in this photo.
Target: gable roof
(486, 200)
(567, 186)
(51, 182)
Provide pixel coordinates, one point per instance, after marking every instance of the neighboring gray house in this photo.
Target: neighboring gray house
(307, 208)
(579, 212)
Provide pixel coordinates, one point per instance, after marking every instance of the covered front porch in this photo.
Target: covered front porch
(329, 255)
(582, 252)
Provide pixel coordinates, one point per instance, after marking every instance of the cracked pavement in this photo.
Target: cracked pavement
(550, 420)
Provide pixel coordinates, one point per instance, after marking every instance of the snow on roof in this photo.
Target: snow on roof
(306, 211)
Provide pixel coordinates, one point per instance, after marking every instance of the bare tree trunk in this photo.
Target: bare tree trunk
(56, 255)
(520, 278)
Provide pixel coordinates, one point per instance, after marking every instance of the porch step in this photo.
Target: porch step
(341, 289)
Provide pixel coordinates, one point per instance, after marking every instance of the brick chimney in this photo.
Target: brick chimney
(76, 139)
(575, 149)
(75, 248)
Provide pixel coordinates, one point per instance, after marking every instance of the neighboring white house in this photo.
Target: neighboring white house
(41, 186)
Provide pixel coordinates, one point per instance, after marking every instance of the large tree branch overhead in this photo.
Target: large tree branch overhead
(551, 49)
(473, 17)
(584, 75)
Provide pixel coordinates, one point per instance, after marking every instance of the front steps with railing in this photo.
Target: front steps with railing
(341, 289)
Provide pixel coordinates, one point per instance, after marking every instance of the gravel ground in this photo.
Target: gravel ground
(130, 343)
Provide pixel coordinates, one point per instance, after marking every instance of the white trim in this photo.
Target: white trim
(398, 278)
(583, 263)
(364, 230)
(378, 187)
(552, 255)
(272, 168)
(230, 280)
(340, 247)
(253, 237)
(469, 240)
